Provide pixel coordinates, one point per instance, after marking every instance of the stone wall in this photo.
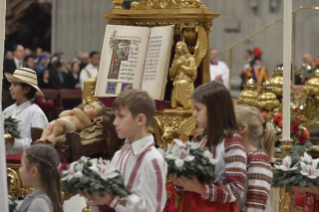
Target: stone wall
(78, 25)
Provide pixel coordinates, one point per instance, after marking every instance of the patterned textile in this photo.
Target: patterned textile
(231, 171)
(308, 202)
(259, 176)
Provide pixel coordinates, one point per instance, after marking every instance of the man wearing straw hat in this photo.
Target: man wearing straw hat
(24, 86)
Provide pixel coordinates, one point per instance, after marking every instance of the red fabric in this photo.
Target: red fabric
(160, 105)
(194, 202)
(307, 203)
(105, 208)
(170, 202)
(14, 158)
(47, 105)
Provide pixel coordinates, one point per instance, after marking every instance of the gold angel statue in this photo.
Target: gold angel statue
(183, 72)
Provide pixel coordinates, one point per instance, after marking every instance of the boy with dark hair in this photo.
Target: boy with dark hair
(24, 86)
(143, 167)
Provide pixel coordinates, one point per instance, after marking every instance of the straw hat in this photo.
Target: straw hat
(26, 76)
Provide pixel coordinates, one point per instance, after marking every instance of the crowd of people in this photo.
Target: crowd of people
(54, 71)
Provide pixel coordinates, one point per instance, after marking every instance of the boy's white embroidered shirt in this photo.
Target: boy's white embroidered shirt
(144, 171)
(29, 115)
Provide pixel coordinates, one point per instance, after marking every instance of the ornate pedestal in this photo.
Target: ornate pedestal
(15, 183)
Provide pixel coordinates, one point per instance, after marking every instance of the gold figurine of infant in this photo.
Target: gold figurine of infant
(72, 121)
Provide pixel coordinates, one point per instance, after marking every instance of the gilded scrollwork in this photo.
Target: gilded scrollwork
(14, 182)
(164, 4)
(167, 126)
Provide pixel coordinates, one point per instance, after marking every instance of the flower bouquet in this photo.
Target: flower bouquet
(296, 171)
(187, 158)
(11, 126)
(300, 135)
(13, 203)
(93, 176)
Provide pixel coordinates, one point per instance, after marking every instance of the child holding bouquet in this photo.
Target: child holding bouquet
(214, 111)
(142, 166)
(253, 129)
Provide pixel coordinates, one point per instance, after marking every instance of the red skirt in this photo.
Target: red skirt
(193, 202)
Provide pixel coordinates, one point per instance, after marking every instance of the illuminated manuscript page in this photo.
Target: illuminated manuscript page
(123, 59)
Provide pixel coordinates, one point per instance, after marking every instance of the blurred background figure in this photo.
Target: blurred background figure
(218, 69)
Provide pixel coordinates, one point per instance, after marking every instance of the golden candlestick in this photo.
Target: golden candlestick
(277, 82)
(249, 95)
(117, 4)
(267, 100)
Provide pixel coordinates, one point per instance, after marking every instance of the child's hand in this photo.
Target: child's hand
(175, 179)
(299, 190)
(191, 183)
(86, 195)
(105, 198)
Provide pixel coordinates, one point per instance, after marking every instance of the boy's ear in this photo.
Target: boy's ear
(27, 89)
(141, 119)
(35, 171)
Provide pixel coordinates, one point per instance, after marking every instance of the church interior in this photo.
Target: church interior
(78, 58)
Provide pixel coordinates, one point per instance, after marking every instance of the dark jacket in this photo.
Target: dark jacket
(8, 67)
(55, 79)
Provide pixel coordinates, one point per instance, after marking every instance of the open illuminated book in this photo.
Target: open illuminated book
(135, 57)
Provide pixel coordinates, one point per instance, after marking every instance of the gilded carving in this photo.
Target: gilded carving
(249, 95)
(267, 100)
(167, 126)
(88, 91)
(14, 182)
(183, 72)
(310, 112)
(164, 4)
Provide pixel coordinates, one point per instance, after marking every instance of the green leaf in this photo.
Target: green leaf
(97, 193)
(293, 179)
(287, 181)
(288, 187)
(303, 183)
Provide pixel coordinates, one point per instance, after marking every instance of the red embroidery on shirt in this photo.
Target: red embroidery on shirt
(159, 185)
(136, 168)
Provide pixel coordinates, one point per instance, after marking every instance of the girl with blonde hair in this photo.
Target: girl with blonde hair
(255, 131)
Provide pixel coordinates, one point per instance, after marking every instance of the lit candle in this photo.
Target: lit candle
(287, 67)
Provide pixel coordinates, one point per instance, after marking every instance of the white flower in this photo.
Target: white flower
(179, 143)
(10, 200)
(286, 163)
(180, 153)
(209, 155)
(85, 159)
(167, 151)
(306, 158)
(104, 168)
(309, 170)
(193, 145)
(75, 170)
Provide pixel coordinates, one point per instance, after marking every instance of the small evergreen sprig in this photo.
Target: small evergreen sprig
(13, 202)
(11, 126)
